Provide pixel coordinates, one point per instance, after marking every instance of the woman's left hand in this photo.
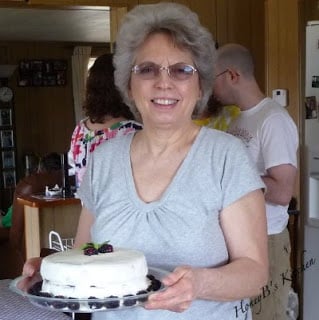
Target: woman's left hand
(182, 288)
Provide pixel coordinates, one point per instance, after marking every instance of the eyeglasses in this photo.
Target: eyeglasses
(232, 73)
(178, 71)
(221, 73)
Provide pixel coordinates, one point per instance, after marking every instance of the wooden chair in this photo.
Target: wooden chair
(12, 240)
(293, 226)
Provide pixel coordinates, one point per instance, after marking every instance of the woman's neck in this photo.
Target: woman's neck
(161, 141)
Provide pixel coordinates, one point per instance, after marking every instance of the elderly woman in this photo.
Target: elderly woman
(187, 196)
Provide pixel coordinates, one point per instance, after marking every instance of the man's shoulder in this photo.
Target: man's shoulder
(273, 107)
(267, 111)
(277, 115)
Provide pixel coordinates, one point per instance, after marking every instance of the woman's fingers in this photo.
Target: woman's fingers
(179, 293)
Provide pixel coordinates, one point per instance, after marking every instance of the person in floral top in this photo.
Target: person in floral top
(106, 116)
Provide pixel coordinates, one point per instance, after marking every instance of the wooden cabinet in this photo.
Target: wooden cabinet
(44, 215)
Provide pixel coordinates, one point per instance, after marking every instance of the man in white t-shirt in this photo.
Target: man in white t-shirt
(271, 138)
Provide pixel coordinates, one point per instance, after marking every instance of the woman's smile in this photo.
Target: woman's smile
(164, 102)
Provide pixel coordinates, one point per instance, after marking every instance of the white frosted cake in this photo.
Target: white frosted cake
(76, 275)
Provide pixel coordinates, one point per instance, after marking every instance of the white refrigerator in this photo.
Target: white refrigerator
(310, 268)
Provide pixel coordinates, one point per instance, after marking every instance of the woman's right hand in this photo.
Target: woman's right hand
(31, 266)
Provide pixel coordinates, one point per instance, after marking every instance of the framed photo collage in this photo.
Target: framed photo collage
(7, 146)
(42, 73)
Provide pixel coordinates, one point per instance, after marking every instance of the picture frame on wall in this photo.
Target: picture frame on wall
(9, 179)
(6, 139)
(311, 107)
(42, 73)
(5, 117)
(8, 159)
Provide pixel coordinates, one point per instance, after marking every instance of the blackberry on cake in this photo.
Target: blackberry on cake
(95, 304)
(105, 247)
(129, 302)
(73, 305)
(112, 304)
(59, 304)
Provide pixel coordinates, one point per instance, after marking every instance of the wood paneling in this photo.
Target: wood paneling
(243, 22)
(284, 56)
(114, 3)
(206, 12)
(44, 116)
(284, 52)
(228, 20)
(311, 10)
(116, 16)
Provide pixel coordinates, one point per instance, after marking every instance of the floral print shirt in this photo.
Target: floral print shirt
(84, 141)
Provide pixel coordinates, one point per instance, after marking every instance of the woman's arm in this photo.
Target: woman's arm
(83, 233)
(32, 266)
(245, 231)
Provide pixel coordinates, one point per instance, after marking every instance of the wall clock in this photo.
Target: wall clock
(6, 94)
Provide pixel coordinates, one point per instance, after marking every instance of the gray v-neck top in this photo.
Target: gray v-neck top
(182, 227)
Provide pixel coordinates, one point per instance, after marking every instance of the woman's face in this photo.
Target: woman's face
(161, 99)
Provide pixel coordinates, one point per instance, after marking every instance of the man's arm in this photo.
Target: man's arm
(280, 183)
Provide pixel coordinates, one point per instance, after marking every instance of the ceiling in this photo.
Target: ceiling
(77, 24)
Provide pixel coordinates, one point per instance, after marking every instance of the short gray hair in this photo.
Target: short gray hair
(237, 57)
(184, 27)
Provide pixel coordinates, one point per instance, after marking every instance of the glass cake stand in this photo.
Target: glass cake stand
(30, 288)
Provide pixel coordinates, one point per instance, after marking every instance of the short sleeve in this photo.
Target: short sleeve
(279, 139)
(240, 174)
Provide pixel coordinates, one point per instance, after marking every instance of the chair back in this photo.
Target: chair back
(12, 250)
